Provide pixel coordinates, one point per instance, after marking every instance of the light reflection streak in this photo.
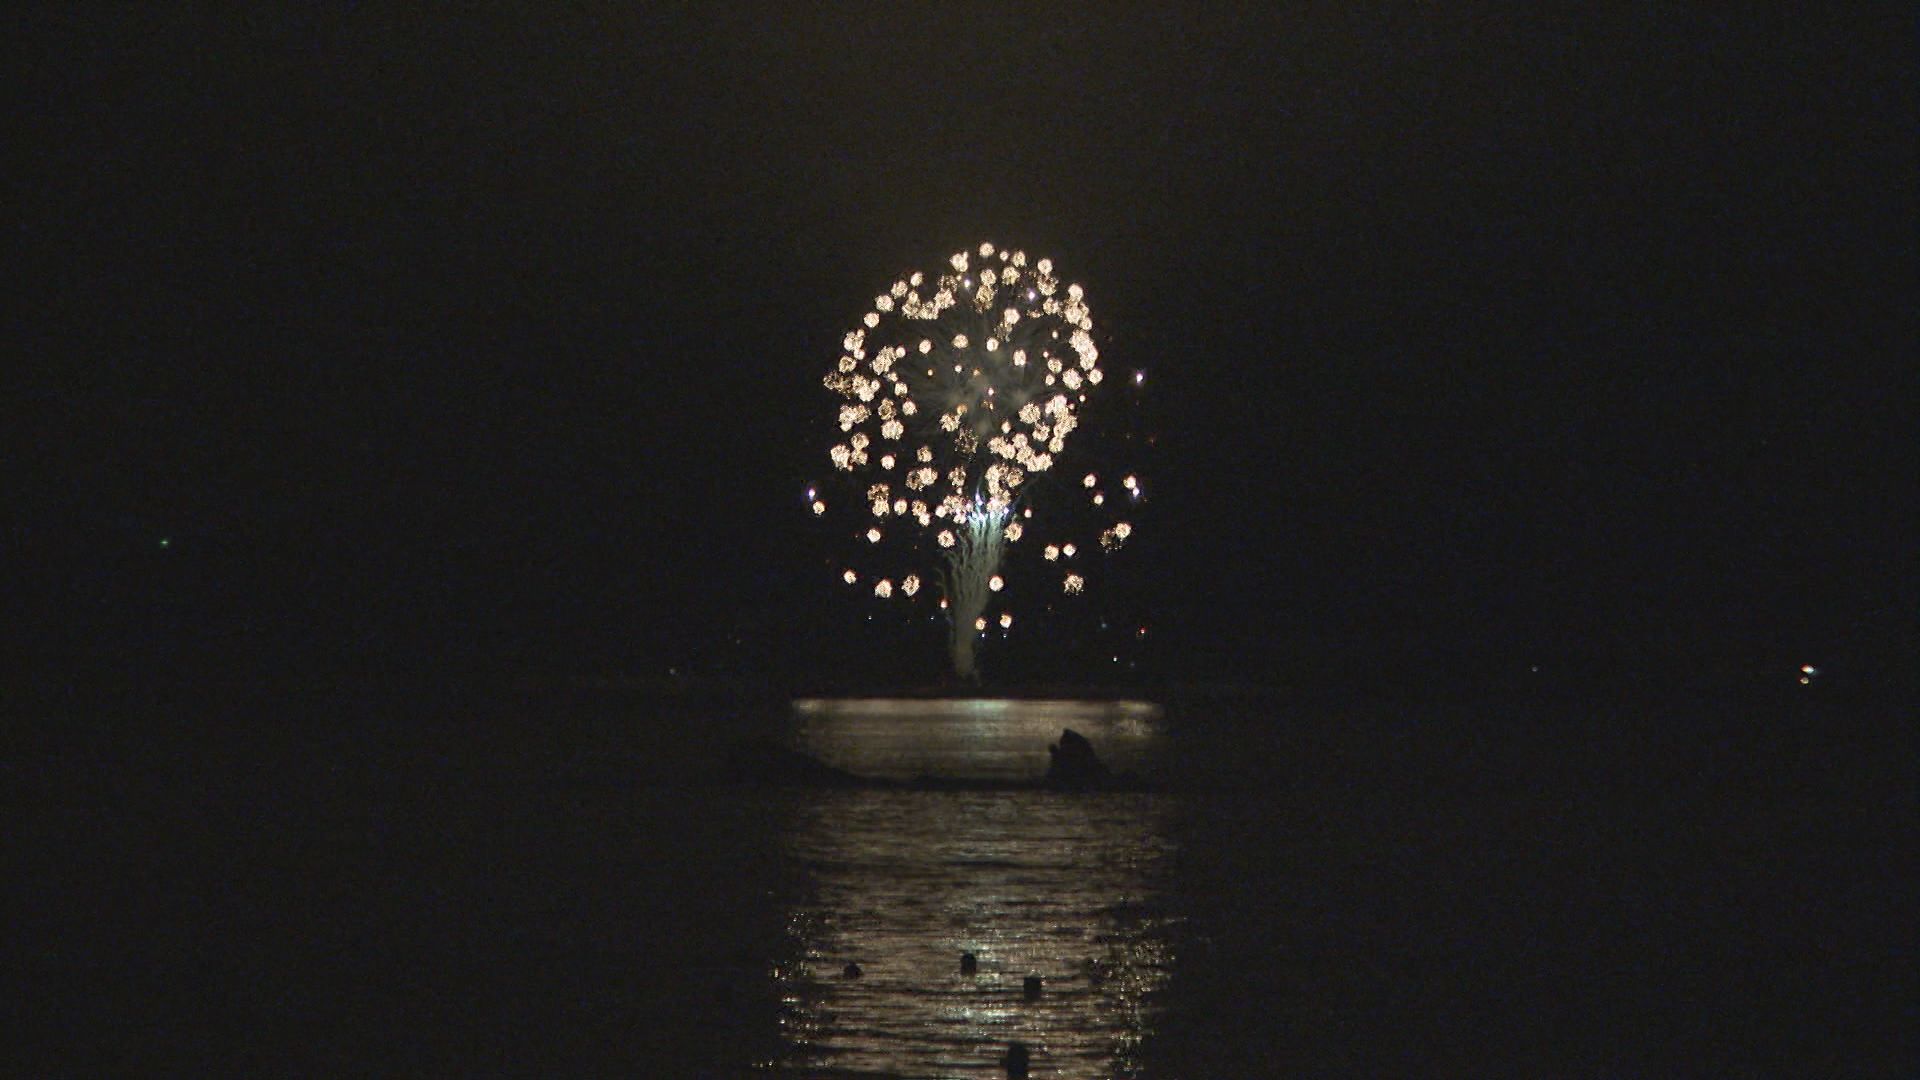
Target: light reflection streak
(1068, 887)
(977, 738)
(903, 881)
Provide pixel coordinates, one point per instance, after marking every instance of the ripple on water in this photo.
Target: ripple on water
(1033, 883)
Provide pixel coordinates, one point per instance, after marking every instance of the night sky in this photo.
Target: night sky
(1471, 337)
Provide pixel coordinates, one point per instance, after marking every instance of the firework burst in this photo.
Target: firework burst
(959, 395)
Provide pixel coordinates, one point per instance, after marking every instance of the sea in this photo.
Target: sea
(530, 880)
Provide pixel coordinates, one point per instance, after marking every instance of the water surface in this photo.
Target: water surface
(971, 738)
(1033, 883)
(1069, 888)
(1704, 884)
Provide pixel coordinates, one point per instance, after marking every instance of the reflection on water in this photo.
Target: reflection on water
(1067, 887)
(1033, 883)
(974, 738)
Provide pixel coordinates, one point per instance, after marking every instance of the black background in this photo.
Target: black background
(357, 356)
(1473, 337)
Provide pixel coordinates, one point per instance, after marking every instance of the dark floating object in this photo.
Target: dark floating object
(1074, 764)
(1031, 988)
(1016, 1059)
(851, 971)
(969, 964)
(1096, 973)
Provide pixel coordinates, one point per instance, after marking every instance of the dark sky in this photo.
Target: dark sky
(1469, 333)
